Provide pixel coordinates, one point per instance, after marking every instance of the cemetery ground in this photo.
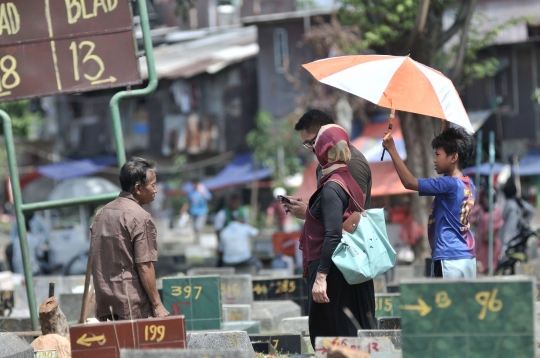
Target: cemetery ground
(227, 313)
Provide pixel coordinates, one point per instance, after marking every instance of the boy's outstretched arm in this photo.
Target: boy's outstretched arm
(407, 179)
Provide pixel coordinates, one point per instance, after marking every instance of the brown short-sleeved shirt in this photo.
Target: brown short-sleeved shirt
(123, 235)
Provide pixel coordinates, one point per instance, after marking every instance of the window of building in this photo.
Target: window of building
(281, 49)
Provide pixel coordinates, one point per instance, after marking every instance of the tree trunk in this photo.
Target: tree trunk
(52, 318)
(418, 132)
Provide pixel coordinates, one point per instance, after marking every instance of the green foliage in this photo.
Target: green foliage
(382, 22)
(266, 140)
(21, 118)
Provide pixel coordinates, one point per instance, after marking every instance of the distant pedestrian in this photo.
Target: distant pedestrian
(235, 245)
(275, 213)
(450, 237)
(479, 217)
(35, 249)
(235, 210)
(197, 205)
(124, 249)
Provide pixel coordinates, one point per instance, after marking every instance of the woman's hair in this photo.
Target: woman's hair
(339, 152)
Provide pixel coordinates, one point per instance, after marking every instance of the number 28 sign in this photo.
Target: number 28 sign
(65, 46)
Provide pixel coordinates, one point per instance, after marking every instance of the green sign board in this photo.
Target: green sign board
(197, 298)
(476, 318)
(387, 305)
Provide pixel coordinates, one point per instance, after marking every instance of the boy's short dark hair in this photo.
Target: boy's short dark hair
(313, 120)
(135, 171)
(456, 140)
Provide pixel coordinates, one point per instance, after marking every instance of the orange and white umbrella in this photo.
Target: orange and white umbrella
(394, 82)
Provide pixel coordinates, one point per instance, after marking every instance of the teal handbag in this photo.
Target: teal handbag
(364, 253)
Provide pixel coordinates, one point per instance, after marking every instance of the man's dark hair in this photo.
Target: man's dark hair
(456, 140)
(135, 171)
(313, 120)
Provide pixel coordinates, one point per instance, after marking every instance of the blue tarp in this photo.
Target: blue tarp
(241, 170)
(76, 168)
(484, 169)
(529, 165)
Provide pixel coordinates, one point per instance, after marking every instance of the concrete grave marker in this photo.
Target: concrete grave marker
(468, 318)
(214, 271)
(394, 335)
(368, 345)
(379, 284)
(292, 288)
(236, 289)
(185, 353)
(251, 327)
(219, 340)
(282, 343)
(272, 313)
(13, 346)
(197, 298)
(387, 304)
(233, 313)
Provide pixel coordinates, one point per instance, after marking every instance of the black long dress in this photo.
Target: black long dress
(329, 319)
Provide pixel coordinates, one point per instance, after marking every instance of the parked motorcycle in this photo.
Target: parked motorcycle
(516, 251)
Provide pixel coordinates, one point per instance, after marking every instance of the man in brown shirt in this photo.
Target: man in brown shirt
(124, 249)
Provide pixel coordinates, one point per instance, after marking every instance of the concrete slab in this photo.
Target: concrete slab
(12, 346)
(297, 325)
(11, 324)
(271, 313)
(233, 313)
(186, 353)
(251, 327)
(219, 271)
(368, 345)
(274, 273)
(219, 340)
(394, 335)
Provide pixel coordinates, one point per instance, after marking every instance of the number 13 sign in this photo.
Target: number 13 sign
(65, 46)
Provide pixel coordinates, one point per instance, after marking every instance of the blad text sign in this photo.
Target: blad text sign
(475, 318)
(65, 46)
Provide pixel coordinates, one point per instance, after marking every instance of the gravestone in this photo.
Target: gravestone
(394, 335)
(367, 345)
(468, 318)
(379, 284)
(197, 298)
(185, 353)
(13, 346)
(219, 340)
(214, 271)
(261, 347)
(70, 304)
(292, 288)
(387, 304)
(402, 272)
(389, 323)
(282, 343)
(271, 313)
(251, 327)
(273, 272)
(537, 322)
(233, 313)
(419, 270)
(295, 325)
(12, 324)
(236, 289)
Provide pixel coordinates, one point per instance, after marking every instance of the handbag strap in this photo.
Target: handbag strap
(360, 208)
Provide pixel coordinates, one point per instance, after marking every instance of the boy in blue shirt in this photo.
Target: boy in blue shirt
(450, 237)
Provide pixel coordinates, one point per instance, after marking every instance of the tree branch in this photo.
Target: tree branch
(420, 21)
(456, 26)
(457, 73)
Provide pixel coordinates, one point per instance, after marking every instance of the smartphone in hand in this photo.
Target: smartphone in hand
(284, 199)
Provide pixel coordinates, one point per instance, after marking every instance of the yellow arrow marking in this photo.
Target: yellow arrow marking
(111, 79)
(84, 341)
(422, 307)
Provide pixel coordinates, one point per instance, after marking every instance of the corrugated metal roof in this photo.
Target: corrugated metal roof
(500, 11)
(282, 16)
(209, 54)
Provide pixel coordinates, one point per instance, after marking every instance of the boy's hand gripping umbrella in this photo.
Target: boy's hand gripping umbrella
(395, 82)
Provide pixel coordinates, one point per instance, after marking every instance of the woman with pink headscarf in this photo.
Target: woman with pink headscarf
(328, 207)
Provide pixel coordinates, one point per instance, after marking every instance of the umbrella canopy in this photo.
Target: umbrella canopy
(394, 82)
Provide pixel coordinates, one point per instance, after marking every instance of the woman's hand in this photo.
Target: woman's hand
(319, 289)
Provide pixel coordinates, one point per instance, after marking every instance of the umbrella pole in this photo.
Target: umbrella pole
(392, 114)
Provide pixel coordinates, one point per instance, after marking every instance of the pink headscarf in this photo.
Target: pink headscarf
(329, 136)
